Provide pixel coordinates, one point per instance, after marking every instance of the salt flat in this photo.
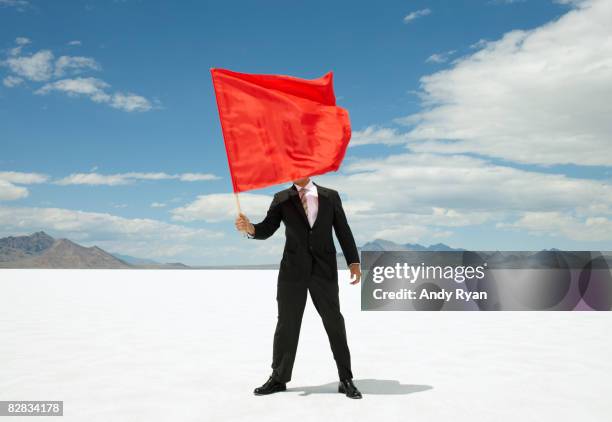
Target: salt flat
(180, 345)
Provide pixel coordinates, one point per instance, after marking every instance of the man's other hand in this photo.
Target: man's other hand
(244, 225)
(355, 273)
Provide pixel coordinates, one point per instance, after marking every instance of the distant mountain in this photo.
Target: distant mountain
(380, 245)
(383, 245)
(388, 245)
(149, 263)
(19, 247)
(39, 250)
(132, 260)
(175, 265)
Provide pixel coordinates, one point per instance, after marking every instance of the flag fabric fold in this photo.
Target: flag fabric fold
(279, 128)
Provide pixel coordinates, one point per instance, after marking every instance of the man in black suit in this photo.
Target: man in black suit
(309, 212)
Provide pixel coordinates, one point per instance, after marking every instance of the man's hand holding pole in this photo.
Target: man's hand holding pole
(244, 225)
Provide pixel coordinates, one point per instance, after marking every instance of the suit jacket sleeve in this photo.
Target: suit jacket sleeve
(343, 233)
(271, 222)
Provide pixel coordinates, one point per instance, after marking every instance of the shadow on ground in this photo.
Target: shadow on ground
(366, 386)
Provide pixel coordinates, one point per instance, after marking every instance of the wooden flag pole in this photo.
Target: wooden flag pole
(244, 232)
(237, 203)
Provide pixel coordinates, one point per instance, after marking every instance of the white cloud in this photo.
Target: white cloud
(96, 90)
(467, 183)
(479, 44)
(127, 178)
(150, 176)
(21, 42)
(158, 205)
(197, 177)
(440, 57)
(553, 223)
(416, 14)
(12, 81)
(75, 64)
(136, 236)
(414, 232)
(222, 207)
(74, 43)
(130, 102)
(93, 179)
(377, 135)
(8, 180)
(10, 192)
(36, 67)
(23, 178)
(541, 96)
(89, 87)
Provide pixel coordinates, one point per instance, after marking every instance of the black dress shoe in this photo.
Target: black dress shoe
(270, 386)
(347, 387)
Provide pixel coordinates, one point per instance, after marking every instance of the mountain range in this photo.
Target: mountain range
(39, 250)
(387, 245)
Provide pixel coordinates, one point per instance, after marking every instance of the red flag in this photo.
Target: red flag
(279, 128)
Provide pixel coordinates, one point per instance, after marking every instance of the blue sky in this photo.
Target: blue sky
(108, 115)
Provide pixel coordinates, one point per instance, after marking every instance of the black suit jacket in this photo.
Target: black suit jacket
(302, 243)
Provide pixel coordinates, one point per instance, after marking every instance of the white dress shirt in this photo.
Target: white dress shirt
(312, 201)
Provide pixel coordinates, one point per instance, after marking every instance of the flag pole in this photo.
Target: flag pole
(244, 232)
(237, 203)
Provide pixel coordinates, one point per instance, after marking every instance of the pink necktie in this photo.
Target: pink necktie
(303, 199)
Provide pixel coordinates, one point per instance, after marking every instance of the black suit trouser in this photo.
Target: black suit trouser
(291, 300)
